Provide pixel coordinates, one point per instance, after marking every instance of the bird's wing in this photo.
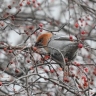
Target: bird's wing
(69, 51)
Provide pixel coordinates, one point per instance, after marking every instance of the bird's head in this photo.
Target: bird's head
(43, 39)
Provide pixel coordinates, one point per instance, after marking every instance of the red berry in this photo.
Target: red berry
(9, 6)
(12, 17)
(66, 79)
(86, 23)
(89, 56)
(84, 78)
(33, 1)
(41, 25)
(17, 70)
(0, 83)
(10, 51)
(80, 45)
(2, 43)
(66, 59)
(31, 27)
(38, 4)
(88, 18)
(28, 3)
(80, 86)
(91, 83)
(71, 38)
(86, 69)
(27, 32)
(52, 71)
(7, 13)
(34, 48)
(76, 25)
(41, 30)
(46, 57)
(76, 77)
(83, 32)
(5, 49)
(1, 23)
(94, 72)
(20, 4)
(28, 61)
(73, 75)
(11, 62)
(31, 68)
(85, 84)
(76, 63)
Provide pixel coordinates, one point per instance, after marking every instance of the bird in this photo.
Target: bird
(58, 49)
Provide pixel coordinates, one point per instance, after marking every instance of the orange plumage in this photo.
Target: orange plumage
(44, 38)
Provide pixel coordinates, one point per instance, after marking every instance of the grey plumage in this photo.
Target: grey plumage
(59, 47)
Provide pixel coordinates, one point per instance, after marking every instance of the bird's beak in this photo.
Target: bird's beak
(38, 44)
